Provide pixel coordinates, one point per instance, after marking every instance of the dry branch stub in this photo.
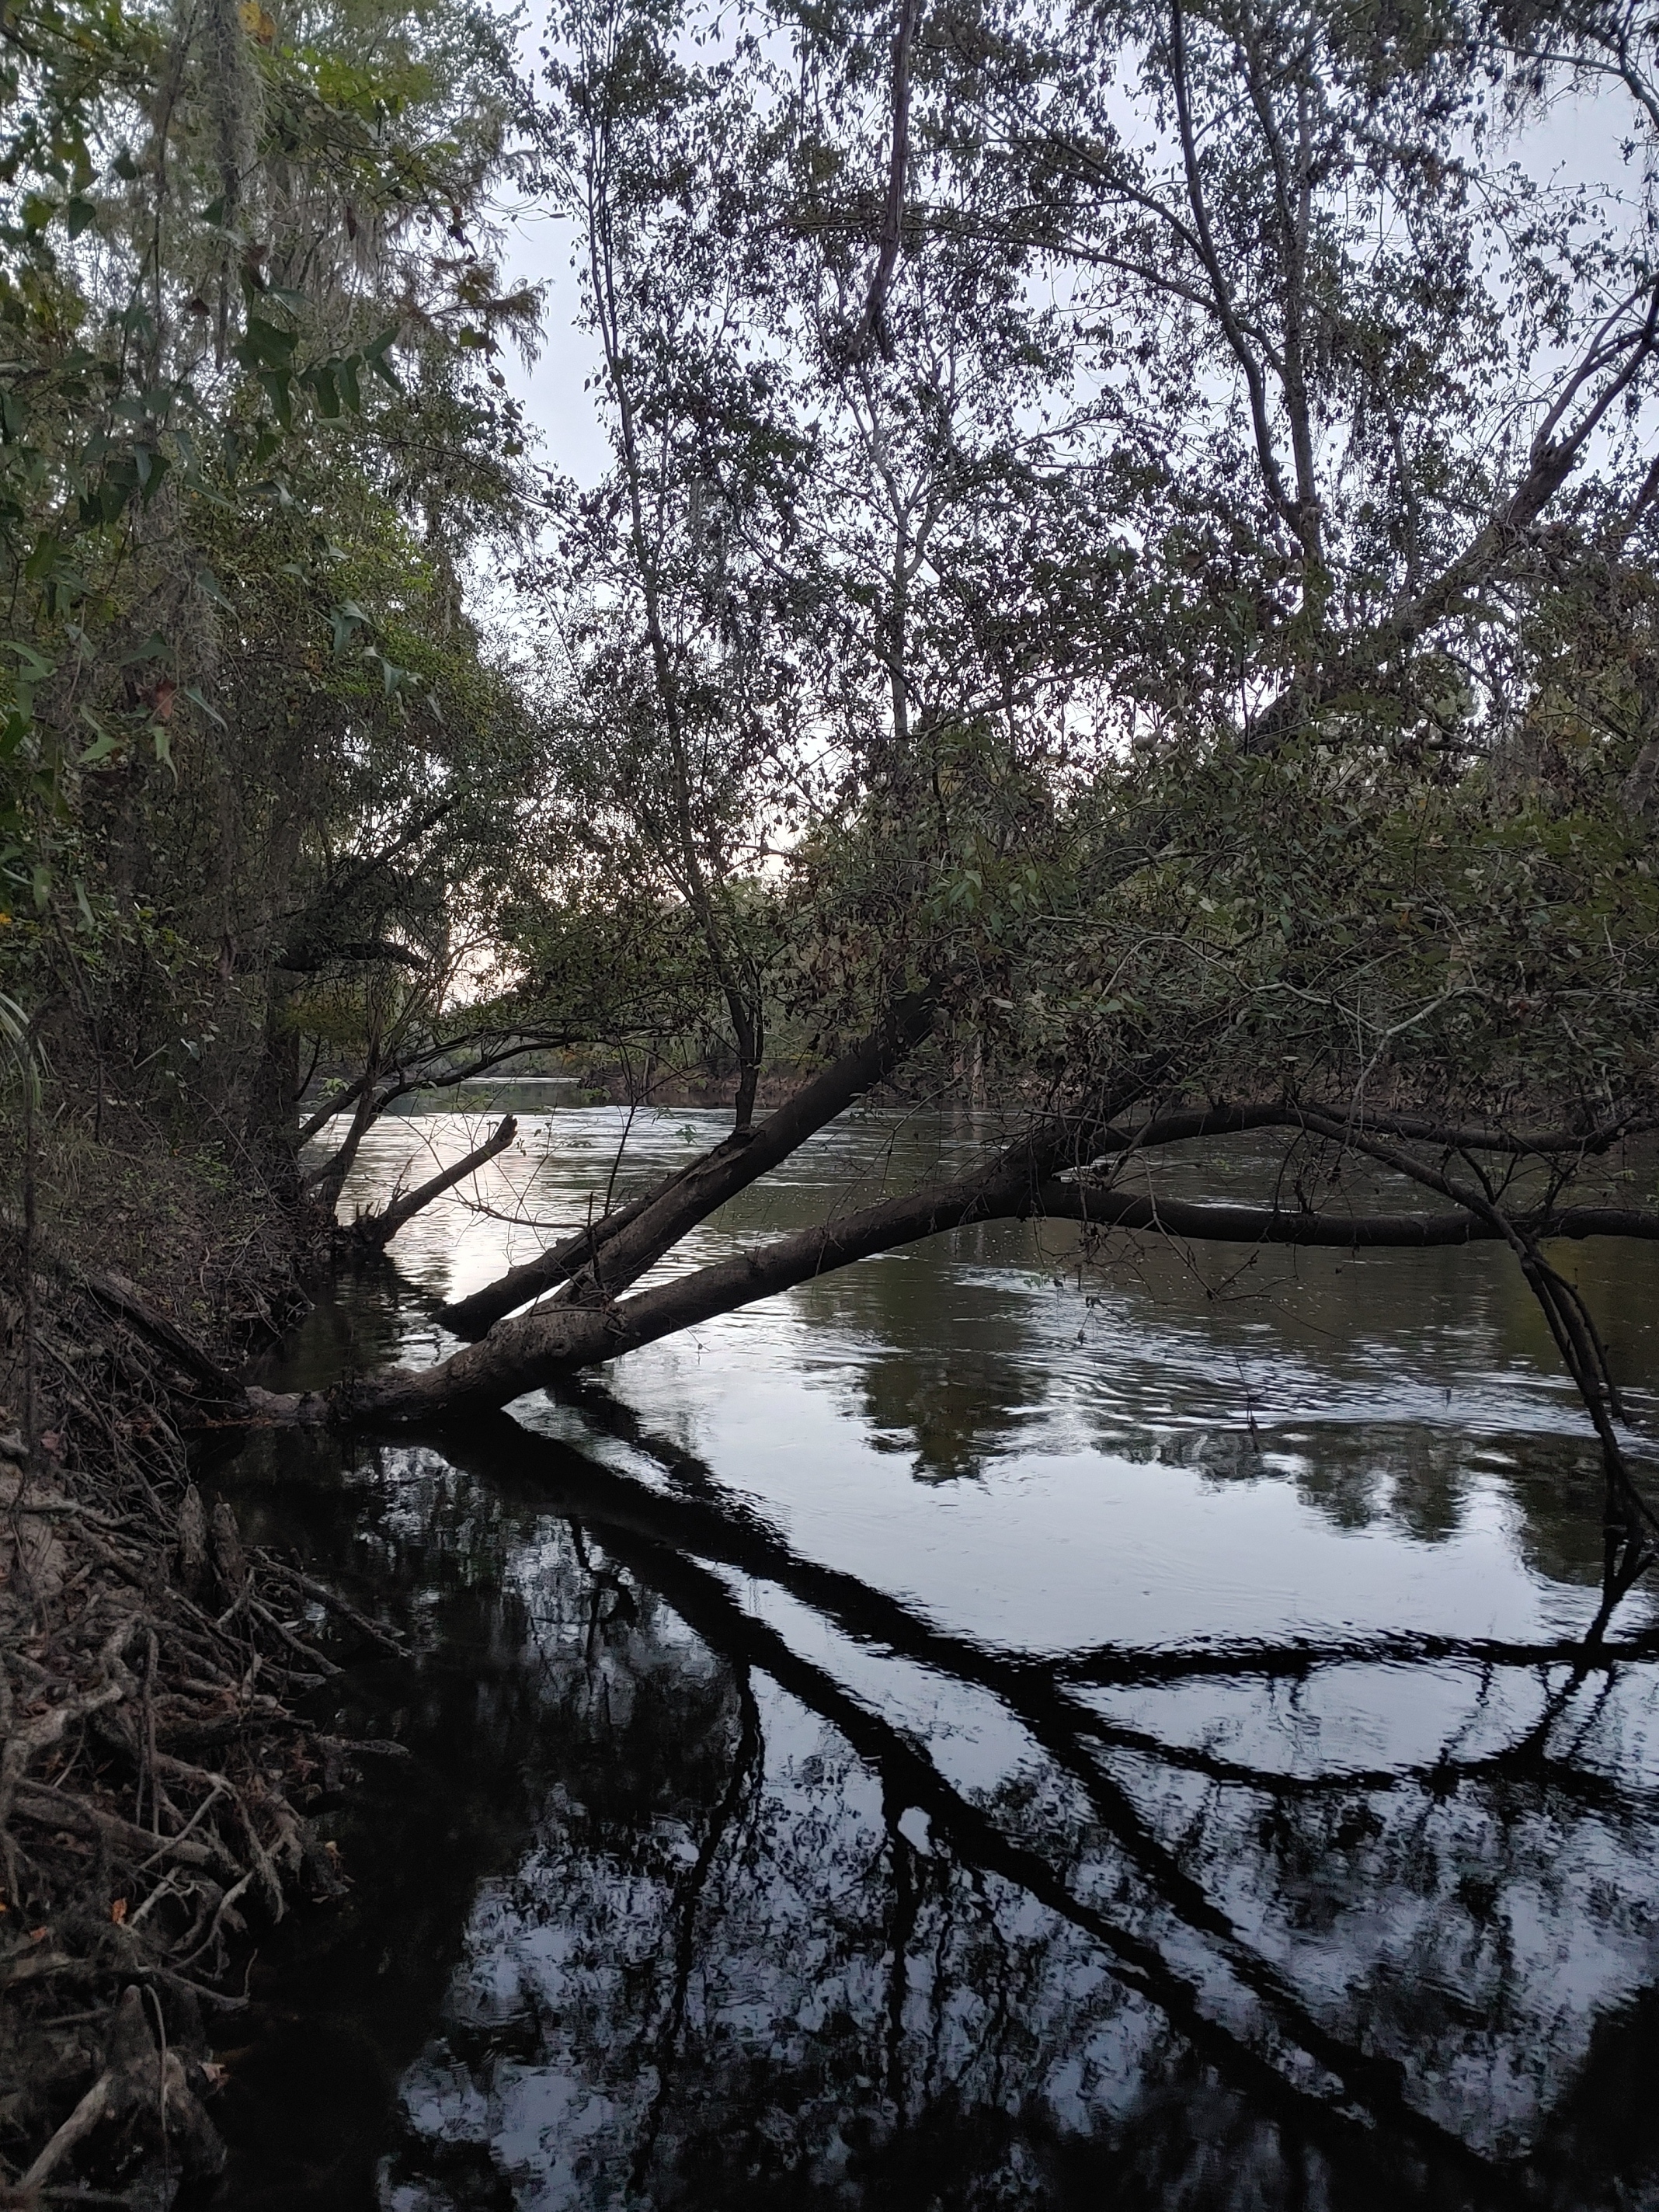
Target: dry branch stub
(374, 1231)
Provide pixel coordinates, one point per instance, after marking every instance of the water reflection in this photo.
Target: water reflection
(1191, 1792)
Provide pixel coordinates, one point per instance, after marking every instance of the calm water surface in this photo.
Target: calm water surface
(970, 1733)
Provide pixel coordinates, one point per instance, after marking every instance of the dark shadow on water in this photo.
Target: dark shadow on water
(721, 1877)
(672, 1906)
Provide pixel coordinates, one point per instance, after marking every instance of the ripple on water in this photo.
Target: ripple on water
(971, 1733)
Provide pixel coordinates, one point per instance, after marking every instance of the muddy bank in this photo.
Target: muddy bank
(165, 1777)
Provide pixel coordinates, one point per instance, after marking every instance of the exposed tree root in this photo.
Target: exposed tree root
(158, 1787)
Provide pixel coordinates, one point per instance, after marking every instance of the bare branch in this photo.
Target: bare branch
(376, 1230)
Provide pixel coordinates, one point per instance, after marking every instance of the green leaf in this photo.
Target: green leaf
(196, 699)
(268, 351)
(279, 390)
(79, 214)
(34, 667)
(267, 345)
(374, 355)
(102, 745)
(150, 479)
(342, 621)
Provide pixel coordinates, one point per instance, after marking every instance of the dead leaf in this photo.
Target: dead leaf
(118, 1911)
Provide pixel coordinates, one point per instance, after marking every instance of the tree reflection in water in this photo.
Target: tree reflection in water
(727, 1875)
(961, 1928)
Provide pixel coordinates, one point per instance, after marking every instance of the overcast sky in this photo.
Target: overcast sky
(1578, 140)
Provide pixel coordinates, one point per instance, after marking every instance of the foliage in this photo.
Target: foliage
(252, 422)
(1140, 522)
(1143, 519)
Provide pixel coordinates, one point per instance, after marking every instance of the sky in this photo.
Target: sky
(1579, 139)
(538, 251)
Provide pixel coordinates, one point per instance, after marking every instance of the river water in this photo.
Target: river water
(973, 1732)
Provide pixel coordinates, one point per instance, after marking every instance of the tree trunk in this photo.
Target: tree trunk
(538, 1349)
(324, 1184)
(602, 1260)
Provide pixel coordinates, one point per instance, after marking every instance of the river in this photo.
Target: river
(974, 1732)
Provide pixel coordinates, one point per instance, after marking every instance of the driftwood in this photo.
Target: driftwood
(117, 1296)
(1067, 1165)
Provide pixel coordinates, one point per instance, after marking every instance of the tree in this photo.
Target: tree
(1127, 581)
(251, 416)
(1361, 858)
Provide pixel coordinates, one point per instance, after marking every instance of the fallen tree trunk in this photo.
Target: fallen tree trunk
(1186, 1124)
(687, 1195)
(534, 1350)
(374, 1231)
(118, 1296)
(471, 1317)
(1208, 1222)
(605, 1258)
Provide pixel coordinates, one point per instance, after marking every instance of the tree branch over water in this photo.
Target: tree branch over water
(523, 1353)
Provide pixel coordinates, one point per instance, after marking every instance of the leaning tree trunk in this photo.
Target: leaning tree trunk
(535, 1350)
(324, 1185)
(590, 1319)
(606, 1257)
